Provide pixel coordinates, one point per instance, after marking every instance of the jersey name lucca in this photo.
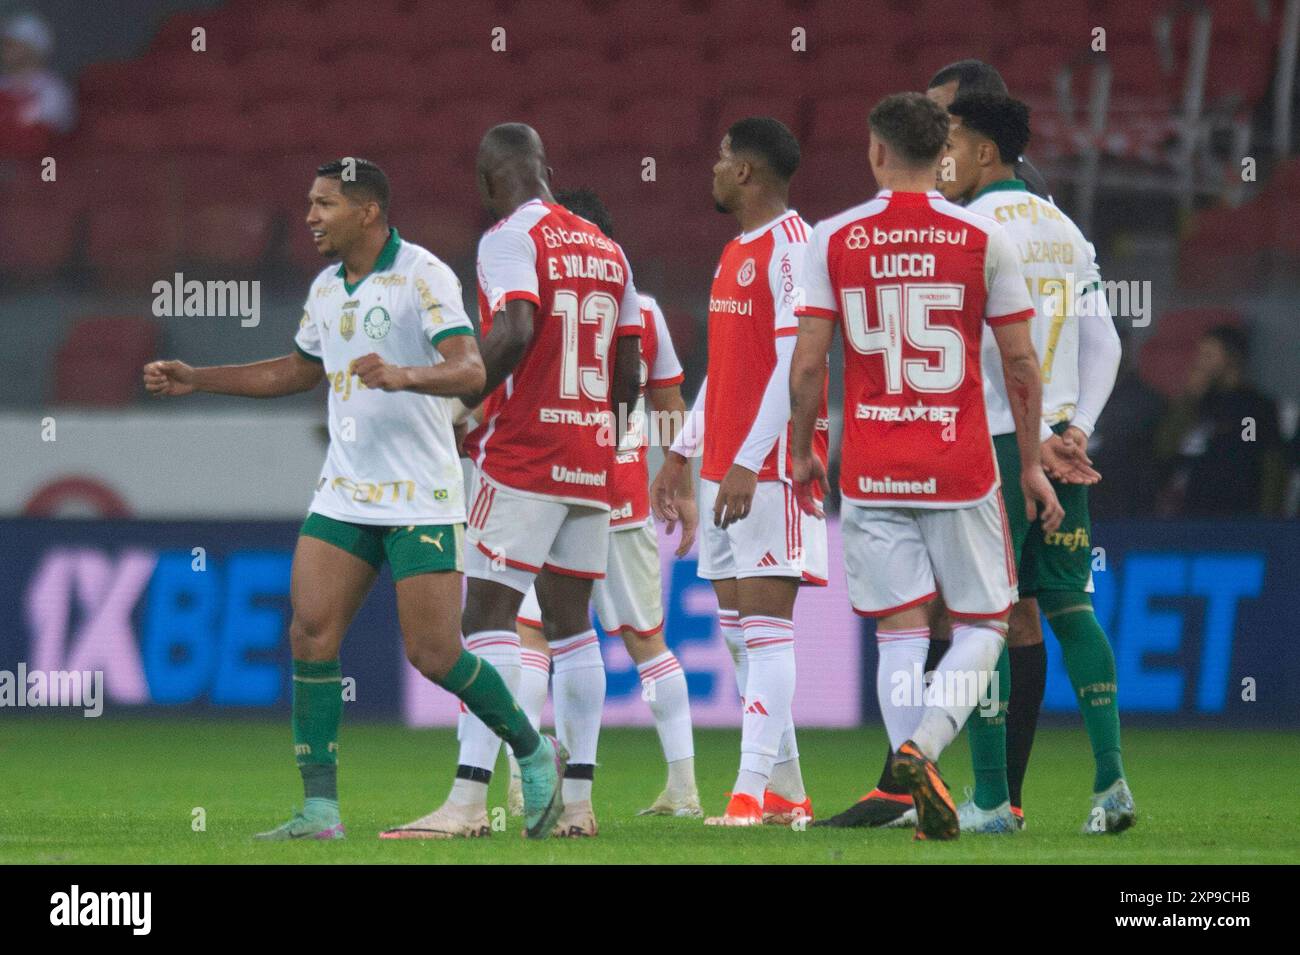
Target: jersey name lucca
(630, 479)
(913, 279)
(547, 429)
(751, 303)
(392, 455)
(1059, 265)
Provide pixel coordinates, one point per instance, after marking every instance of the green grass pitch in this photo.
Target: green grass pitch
(124, 790)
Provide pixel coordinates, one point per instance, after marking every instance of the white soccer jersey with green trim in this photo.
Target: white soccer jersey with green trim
(1059, 266)
(392, 455)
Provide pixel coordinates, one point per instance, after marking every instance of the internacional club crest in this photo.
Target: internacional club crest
(745, 277)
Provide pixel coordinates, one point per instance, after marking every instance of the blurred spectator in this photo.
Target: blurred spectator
(1219, 445)
(36, 105)
(1121, 444)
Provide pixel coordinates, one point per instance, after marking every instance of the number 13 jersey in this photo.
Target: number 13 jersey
(912, 278)
(547, 430)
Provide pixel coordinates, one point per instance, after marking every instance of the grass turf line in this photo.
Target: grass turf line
(123, 791)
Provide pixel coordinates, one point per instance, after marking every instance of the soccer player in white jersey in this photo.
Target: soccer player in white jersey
(629, 601)
(758, 549)
(913, 279)
(1076, 341)
(562, 356)
(387, 330)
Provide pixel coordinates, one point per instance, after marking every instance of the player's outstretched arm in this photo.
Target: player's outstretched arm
(807, 381)
(274, 378)
(504, 346)
(459, 372)
(1025, 394)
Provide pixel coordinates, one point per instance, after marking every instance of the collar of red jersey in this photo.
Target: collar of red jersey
(762, 230)
(929, 194)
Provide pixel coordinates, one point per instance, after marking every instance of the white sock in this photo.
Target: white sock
(961, 680)
(579, 701)
(769, 692)
(534, 680)
(663, 686)
(900, 685)
(734, 634)
(787, 778)
(478, 744)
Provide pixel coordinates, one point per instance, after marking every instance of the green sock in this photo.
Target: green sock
(988, 744)
(480, 687)
(317, 712)
(1091, 666)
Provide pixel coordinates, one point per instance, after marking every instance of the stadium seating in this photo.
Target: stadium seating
(1165, 357)
(100, 362)
(607, 82)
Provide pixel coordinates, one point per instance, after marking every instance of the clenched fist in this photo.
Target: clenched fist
(170, 378)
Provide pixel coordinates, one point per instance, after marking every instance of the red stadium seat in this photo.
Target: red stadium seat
(656, 126)
(100, 362)
(1165, 357)
(852, 69)
(841, 121)
(227, 236)
(130, 246)
(37, 235)
(276, 74)
(127, 132)
(368, 128)
(668, 68)
(210, 127)
(188, 77)
(285, 126)
(373, 73)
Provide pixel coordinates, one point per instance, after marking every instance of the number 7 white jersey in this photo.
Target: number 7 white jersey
(547, 430)
(1059, 267)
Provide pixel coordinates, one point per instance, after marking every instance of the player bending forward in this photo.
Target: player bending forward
(912, 279)
(388, 319)
(561, 347)
(629, 601)
(759, 547)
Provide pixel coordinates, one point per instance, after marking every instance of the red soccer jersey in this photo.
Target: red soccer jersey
(630, 492)
(541, 430)
(751, 304)
(912, 278)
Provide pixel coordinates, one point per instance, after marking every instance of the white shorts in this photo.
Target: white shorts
(775, 539)
(631, 594)
(899, 557)
(511, 537)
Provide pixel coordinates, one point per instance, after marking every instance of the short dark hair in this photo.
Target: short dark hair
(586, 203)
(1234, 340)
(972, 76)
(999, 118)
(771, 140)
(367, 182)
(912, 125)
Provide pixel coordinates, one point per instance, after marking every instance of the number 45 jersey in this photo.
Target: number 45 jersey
(547, 431)
(913, 278)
